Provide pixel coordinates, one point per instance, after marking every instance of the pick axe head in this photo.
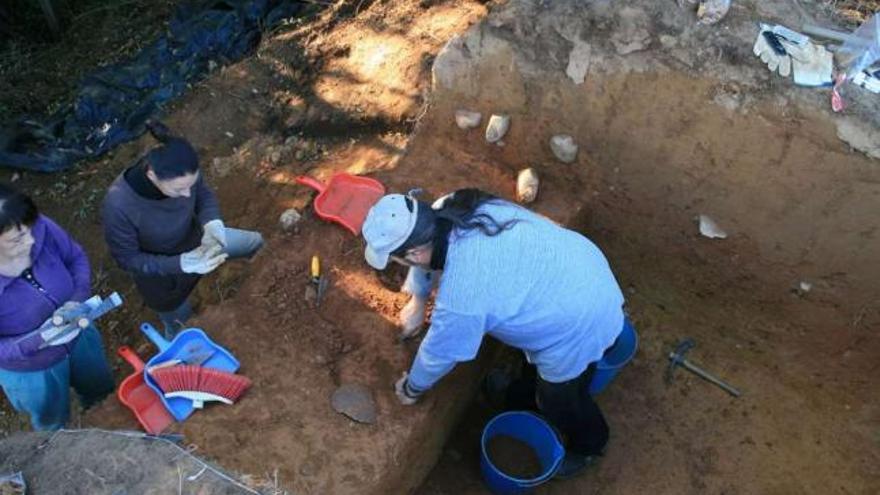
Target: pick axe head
(677, 356)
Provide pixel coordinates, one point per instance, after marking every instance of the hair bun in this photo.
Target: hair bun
(158, 130)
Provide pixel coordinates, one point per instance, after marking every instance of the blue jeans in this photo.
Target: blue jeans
(239, 244)
(45, 394)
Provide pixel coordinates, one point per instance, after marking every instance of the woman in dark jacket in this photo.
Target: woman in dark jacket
(162, 224)
(42, 271)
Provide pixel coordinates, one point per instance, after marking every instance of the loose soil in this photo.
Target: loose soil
(88, 462)
(514, 457)
(667, 132)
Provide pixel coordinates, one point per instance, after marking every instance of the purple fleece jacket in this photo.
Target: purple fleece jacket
(62, 268)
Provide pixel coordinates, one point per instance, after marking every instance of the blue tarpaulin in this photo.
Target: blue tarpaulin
(113, 103)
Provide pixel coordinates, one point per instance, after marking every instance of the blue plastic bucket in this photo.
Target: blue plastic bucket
(530, 429)
(615, 358)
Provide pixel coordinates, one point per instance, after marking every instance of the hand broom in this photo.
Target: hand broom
(200, 384)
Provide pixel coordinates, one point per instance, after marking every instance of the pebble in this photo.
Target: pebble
(466, 119)
(289, 220)
(711, 11)
(710, 229)
(275, 157)
(497, 127)
(564, 148)
(527, 183)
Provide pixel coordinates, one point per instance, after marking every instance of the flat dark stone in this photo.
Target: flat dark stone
(356, 402)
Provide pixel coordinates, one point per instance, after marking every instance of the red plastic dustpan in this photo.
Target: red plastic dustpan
(140, 398)
(346, 199)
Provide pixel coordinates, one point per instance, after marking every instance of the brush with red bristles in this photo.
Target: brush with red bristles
(200, 384)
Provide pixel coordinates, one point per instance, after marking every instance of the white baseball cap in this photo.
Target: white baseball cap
(388, 225)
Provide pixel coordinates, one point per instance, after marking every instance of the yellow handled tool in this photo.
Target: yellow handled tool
(316, 268)
(318, 279)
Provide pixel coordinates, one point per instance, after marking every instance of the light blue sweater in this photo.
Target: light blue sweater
(538, 287)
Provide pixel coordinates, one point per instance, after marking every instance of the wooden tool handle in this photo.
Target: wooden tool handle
(316, 267)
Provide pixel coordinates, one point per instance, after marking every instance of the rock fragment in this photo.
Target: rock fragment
(497, 128)
(564, 148)
(466, 119)
(527, 183)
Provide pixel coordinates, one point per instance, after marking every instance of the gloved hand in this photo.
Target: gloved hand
(214, 233)
(770, 52)
(53, 331)
(69, 311)
(412, 317)
(405, 393)
(811, 64)
(202, 260)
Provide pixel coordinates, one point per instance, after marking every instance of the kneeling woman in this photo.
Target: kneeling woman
(162, 223)
(512, 274)
(43, 270)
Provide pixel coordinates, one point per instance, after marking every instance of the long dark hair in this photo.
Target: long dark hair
(16, 209)
(458, 211)
(174, 158)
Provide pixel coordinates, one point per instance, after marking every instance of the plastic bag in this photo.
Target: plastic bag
(862, 48)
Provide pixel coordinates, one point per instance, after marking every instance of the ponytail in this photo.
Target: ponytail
(460, 210)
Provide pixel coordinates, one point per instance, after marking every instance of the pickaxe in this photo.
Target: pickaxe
(676, 358)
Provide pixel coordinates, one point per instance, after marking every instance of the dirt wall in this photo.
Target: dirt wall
(719, 137)
(673, 120)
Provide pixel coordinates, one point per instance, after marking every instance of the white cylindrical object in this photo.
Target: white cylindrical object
(527, 184)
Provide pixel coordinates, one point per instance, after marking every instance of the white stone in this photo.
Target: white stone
(527, 183)
(289, 220)
(497, 127)
(578, 62)
(564, 148)
(710, 229)
(711, 11)
(466, 119)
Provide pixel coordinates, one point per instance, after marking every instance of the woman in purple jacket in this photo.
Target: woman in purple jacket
(41, 271)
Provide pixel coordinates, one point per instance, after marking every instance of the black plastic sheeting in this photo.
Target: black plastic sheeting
(113, 103)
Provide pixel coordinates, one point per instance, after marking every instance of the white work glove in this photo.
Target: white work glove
(53, 331)
(811, 64)
(68, 310)
(202, 260)
(775, 62)
(412, 317)
(405, 394)
(214, 233)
